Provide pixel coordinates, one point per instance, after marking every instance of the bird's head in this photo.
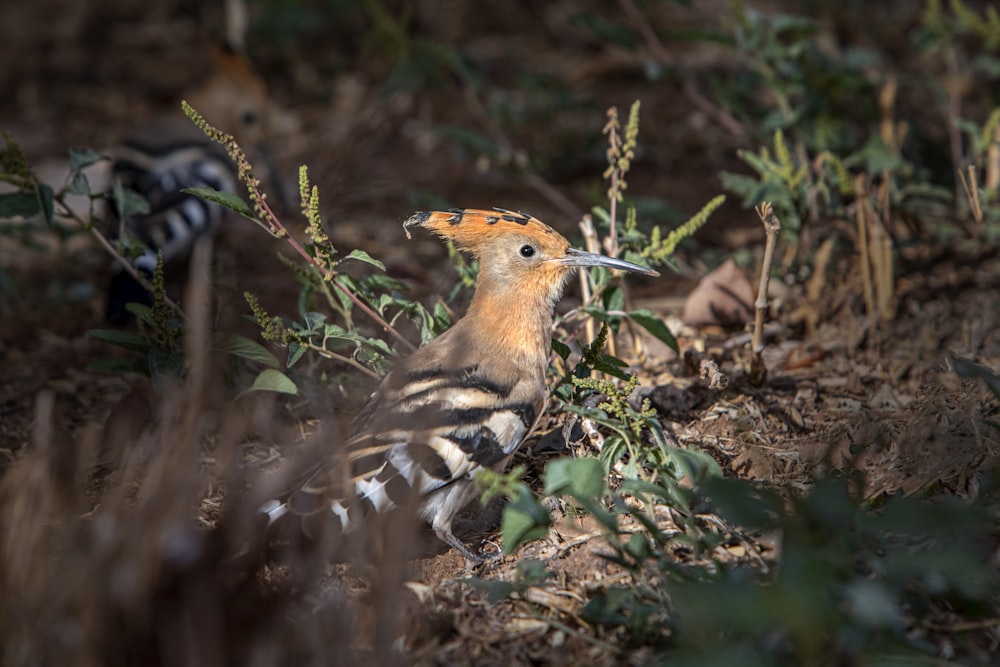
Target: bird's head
(515, 250)
(233, 98)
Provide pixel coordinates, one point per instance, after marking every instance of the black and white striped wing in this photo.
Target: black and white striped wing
(422, 432)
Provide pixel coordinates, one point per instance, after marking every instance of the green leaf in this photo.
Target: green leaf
(601, 214)
(442, 318)
(46, 199)
(614, 448)
(18, 205)
(654, 325)
(314, 320)
(79, 185)
(696, 466)
(606, 608)
(524, 519)
(126, 339)
(638, 547)
(81, 158)
(128, 202)
(362, 256)
(561, 348)
(377, 281)
(739, 501)
(597, 312)
(227, 199)
(143, 312)
(241, 346)
(611, 365)
(614, 299)
(580, 478)
(295, 352)
(274, 380)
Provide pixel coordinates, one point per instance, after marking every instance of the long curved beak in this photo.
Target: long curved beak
(576, 257)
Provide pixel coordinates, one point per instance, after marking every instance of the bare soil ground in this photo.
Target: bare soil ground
(880, 398)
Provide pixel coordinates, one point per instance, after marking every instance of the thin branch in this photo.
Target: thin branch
(707, 107)
(327, 354)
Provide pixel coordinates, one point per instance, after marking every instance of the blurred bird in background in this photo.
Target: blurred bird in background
(169, 153)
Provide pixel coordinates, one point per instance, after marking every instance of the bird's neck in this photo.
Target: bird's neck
(514, 325)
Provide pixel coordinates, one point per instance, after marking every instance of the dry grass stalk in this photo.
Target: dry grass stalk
(862, 213)
(971, 187)
(882, 263)
(772, 227)
(162, 561)
(875, 256)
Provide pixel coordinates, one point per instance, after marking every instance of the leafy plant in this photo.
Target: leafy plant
(323, 282)
(652, 478)
(854, 583)
(800, 189)
(819, 108)
(157, 351)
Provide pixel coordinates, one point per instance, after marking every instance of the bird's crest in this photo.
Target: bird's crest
(468, 228)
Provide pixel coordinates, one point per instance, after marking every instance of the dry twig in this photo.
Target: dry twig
(707, 369)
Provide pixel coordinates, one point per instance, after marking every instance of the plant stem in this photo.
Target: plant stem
(327, 354)
(772, 226)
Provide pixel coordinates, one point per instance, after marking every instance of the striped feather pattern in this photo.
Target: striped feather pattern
(423, 435)
(167, 157)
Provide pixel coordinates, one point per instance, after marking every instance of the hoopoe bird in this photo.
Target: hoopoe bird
(169, 153)
(469, 398)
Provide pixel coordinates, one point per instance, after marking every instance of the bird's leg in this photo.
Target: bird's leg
(445, 534)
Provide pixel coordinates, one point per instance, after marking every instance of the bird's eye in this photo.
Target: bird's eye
(249, 118)
(527, 251)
